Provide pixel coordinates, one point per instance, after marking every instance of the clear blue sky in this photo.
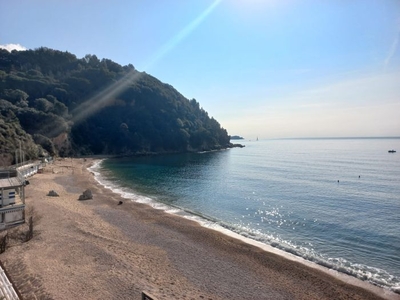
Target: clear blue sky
(287, 68)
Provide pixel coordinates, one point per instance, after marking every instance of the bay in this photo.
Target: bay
(335, 202)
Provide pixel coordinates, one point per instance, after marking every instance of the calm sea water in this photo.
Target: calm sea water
(335, 202)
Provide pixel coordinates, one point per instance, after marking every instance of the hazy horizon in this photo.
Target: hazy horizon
(328, 137)
(266, 69)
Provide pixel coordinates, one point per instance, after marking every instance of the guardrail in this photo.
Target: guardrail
(8, 289)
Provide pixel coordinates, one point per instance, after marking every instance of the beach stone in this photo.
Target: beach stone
(53, 193)
(86, 195)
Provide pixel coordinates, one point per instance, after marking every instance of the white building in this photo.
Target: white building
(12, 198)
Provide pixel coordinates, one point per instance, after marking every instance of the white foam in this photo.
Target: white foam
(383, 292)
(126, 193)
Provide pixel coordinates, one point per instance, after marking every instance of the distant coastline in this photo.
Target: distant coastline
(338, 138)
(236, 137)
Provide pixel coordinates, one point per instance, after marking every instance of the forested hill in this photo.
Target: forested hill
(53, 101)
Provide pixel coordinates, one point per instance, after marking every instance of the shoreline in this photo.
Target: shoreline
(213, 224)
(115, 251)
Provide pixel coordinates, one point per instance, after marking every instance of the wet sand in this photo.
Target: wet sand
(97, 249)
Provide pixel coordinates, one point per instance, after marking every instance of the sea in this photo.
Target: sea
(331, 201)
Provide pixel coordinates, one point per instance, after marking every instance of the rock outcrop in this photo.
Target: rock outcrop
(86, 195)
(53, 193)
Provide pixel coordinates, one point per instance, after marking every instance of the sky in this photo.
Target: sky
(261, 68)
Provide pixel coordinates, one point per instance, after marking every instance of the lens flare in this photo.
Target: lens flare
(108, 95)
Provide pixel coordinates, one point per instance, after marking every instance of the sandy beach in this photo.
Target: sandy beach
(97, 249)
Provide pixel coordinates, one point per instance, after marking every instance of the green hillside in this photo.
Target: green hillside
(53, 101)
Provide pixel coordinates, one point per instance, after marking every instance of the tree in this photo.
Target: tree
(43, 104)
(14, 96)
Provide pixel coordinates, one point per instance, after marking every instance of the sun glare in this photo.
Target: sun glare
(186, 31)
(98, 101)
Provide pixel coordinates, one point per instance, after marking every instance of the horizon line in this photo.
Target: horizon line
(328, 138)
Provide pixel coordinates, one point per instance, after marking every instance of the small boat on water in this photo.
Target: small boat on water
(392, 151)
